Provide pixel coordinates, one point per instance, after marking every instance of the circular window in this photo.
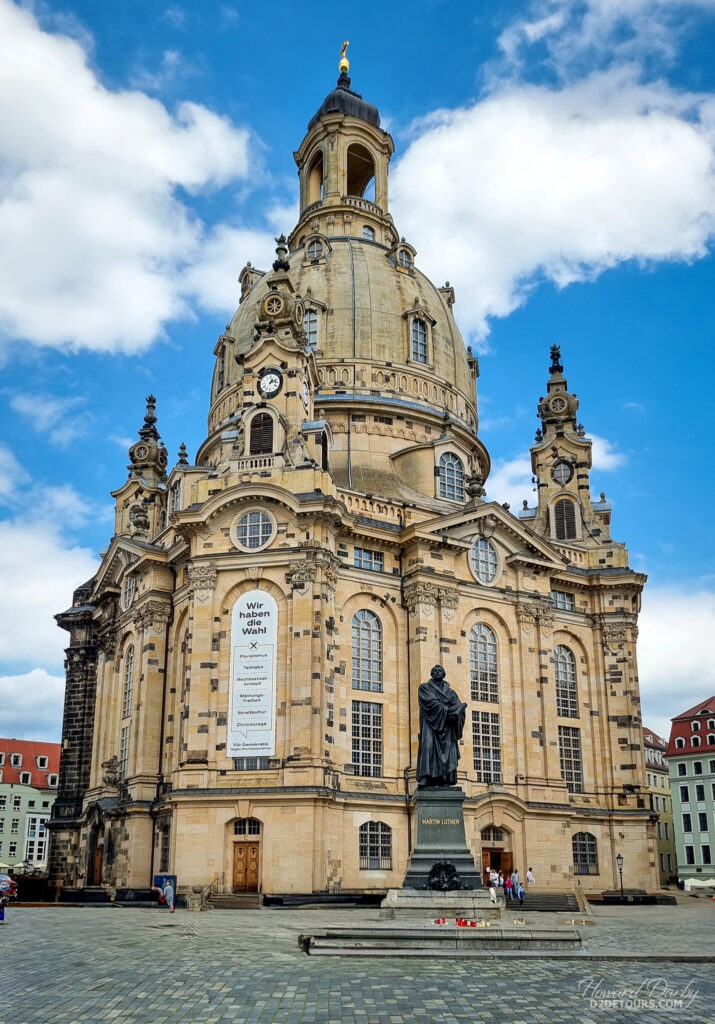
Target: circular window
(562, 472)
(485, 561)
(273, 305)
(557, 404)
(315, 250)
(253, 530)
(404, 258)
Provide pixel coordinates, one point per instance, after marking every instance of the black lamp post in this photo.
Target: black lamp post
(619, 862)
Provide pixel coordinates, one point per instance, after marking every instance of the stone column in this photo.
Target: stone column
(199, 729)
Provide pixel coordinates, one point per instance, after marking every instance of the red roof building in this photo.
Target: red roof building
(29, 763)
(693, 732)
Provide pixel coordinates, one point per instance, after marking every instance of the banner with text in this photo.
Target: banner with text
(252, 698)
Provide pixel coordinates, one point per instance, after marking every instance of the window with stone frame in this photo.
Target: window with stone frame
(164, 846)
(483, 663)
(585, 854)
(419, 340)
(124, 752)
(565, 676)
(451, 477)
(486, 742)
(366, 651)
(564, 512)
(366, 738)
(366, 558)
(247, 827)
(375, 846)
(250, 764)
(36, 839)
(175, 496)
(128, 681)
(570, 758)
(261, 434)
(562, 601)
(310, 328)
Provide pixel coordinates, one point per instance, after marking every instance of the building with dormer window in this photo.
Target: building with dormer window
(242, 671)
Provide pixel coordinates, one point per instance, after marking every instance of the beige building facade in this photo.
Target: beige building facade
(243, 669)
(661, 804)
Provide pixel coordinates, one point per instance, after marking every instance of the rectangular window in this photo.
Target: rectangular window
(486, 740)
(570, 758)
(41, 761)
(2, 824)
(366, 559)
(164, 850)
(16, 760)
(14, 826)
(689, 854)
(36, 839)
(2, 757)
(175, 497)
(419, 340)
(700, 791)
(667, 830)
(310, 327)
(16, 803)
(3, 803)
(687, 823)
(648, 782)
(702, 821)
(697, 767)
(662, 782)
(124, 752)
(12, 850)
(681, 768)
(25, 778)
(562, 600)
(712, 767)
(52, 781)
(662, 862)
(250, 764)
(670, 862)
(375, 847)
(660, 830)
(705, 850)
(657, 803)
(367, 738)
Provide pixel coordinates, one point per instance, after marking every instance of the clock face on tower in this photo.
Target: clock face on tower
(270, 383)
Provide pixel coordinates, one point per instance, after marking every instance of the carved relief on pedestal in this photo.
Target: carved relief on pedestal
(420, 597)
(300, 574)
(449, 602)
(546, 621)
(614, 636)
(110, 771)
(526, 617)
(201, 580)
(107, 644)
(152, 616)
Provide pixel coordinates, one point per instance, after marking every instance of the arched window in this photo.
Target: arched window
(375, 846)
(404, 258)
(585, 854)
(694, 741)
(315, 179)
(315, 250)
(367, 651)
(128, 681)
(262, 434)
(679, 742)
(484, 560)
(565, 519)
(419, 340)
(451, 477)
(310, 327)
(247, 827)
(164, 845)
(324, 451)
(483, 663)
(711, 740)
(360, 171)
(368, 233)
(565, 674)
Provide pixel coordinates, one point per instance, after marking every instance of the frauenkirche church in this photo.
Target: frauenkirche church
(242, 671)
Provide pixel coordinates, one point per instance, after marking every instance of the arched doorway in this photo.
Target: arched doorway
(246, 855)
(496, 851)
(95, 854)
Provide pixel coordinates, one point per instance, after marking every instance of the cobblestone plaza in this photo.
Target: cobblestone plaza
(86, 965)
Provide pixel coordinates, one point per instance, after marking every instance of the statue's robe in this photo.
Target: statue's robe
(442, 716)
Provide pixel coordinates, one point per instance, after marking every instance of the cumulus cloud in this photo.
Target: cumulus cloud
(676, 652)
(557, 183)
(92, 213)
(212, 279)
(32, 706)
(604, 454)
(12, 474)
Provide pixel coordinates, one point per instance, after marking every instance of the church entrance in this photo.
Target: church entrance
(97, 862)
(246, 855)
(495, 860)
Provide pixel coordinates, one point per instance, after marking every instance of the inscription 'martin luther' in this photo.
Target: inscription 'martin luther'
(254, 631)
(441, 821)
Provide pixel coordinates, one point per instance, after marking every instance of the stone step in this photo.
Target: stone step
(375, 940)
(235, 901)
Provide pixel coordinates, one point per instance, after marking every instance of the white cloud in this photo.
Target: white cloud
(32, 706)
(510, 480)
(90, 214)
(51, 416)
(676, 652)
(12, 475)
(534, 183)
(604, 454)
(39, 568)
(212, 279)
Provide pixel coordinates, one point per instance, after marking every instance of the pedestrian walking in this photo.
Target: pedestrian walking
(515, 880)
(492, 894)
(507, 888)
(520, 894)
(168, 893)
(530, 880)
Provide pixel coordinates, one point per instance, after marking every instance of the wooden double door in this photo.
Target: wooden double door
(496, 860)
(246, 858)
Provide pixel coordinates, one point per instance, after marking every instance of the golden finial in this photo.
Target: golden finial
(344, 65)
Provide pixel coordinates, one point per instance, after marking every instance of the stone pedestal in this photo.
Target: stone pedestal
(440, 838)
(426, 904)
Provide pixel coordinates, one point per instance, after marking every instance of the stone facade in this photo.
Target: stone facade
(342, 475)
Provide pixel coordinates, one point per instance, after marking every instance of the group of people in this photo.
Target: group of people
(512, 885)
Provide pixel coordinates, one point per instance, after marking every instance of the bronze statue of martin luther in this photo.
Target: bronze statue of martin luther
(442, 716)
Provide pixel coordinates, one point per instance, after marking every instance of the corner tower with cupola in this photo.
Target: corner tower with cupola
(249, 653)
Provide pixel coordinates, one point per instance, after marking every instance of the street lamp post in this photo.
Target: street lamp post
(619, 862)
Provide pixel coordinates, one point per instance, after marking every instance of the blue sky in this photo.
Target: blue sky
(554, 161)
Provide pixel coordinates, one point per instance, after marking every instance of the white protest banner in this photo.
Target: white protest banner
(252, 695)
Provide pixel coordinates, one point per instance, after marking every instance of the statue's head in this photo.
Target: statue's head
(438, 673)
